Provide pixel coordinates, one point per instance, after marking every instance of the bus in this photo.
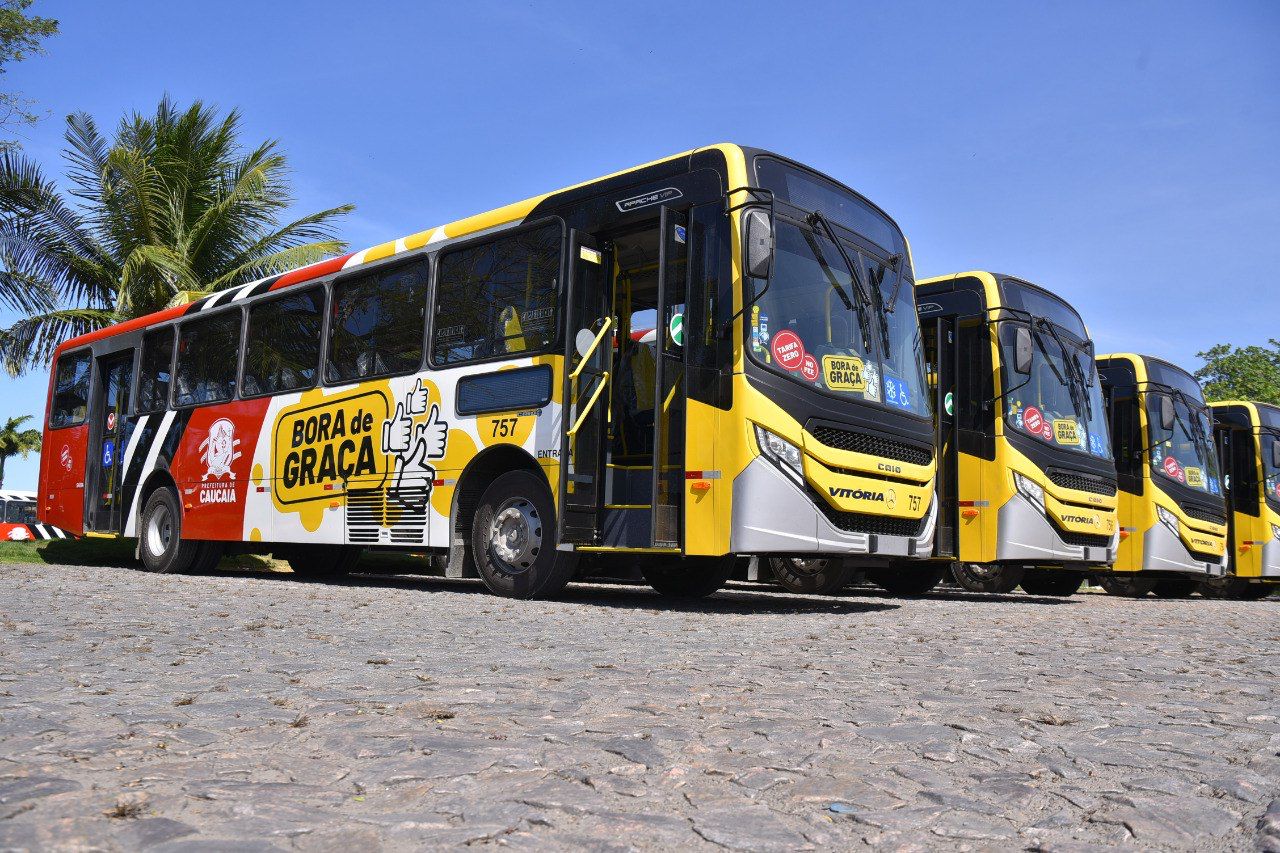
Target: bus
(475, 391)
(1248, 440)
(18, 522)
(1026, 483)
(1173, 522)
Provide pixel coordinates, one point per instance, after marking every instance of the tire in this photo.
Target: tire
(811, 575)
(160, 543)
(1126, 585)
(1175, 587)
(1235, 589)
(321, 561)
(208, 555)
(692, 577)
(1057, 582)
(987, 577)
(909, 582)
(513, 539)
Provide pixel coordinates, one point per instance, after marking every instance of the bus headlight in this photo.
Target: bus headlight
(1275, 530)
(1169, 520)
(1029, 489)
(782, 453)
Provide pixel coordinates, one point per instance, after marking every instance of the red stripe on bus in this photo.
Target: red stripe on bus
(313, 271)
(126, 326)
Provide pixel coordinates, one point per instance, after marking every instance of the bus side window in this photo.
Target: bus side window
(70, 391)
(282, 345)
(376, 324)
(498, 298)
(207, 353)
(154, 374)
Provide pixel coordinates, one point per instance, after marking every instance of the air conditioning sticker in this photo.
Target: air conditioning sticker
(844, 373)
(895, 393)
(1066, 431)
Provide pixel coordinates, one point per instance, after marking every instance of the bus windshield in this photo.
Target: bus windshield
(1269, 434)
(817, 323)
(1184, 454)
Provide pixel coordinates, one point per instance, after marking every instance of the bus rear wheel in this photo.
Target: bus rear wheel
(1174, 587)
(811, 575)
(987, 577)
(1125, 585)
(207, 557)
(161, 546)
(692, 577)
(912, 581)
(1057, 582)
(513, 539)
(322, 561)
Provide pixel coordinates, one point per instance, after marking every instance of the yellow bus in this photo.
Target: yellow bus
(1026, 483)
(1248, 440)
(716, 353)
(1173, 522)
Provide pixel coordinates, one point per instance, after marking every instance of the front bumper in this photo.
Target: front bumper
(1164, 551)
(772, 515)
(1027, 535)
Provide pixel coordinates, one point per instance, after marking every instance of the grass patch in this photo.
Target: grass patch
(70, 552)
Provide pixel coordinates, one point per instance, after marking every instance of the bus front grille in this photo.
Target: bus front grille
(1081, 482)
(1084, 540)
(1205, 515)
(857, 522)
(395, 516)
(871, 445)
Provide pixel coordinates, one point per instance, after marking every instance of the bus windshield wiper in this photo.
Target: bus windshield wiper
(1075, 381)
(864, 323)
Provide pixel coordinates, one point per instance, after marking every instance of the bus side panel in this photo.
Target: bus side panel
(60, 501)
(212, 468)
(976, 533)
(1133, 522)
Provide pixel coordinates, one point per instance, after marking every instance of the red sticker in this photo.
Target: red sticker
(809, 368)
(1047, 431)
(1172, 468)
(788, 350)
(111, 421)
(1032, 420)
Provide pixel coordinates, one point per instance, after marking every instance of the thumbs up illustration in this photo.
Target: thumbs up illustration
(416, 402)
(433, 435)
(397, 434)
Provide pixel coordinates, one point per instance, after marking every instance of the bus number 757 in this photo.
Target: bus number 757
(504, 427)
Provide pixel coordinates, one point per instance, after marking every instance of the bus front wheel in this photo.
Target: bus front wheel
(811, 575)
(1059, 582)
(1234, 588)
(161, 546)
(1125, 585)
(692, 577)
(321, 561)
(987, 577)
(513, 539)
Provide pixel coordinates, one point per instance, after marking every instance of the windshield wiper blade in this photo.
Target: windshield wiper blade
(864, 323)
(894, 261)
(1075, 381)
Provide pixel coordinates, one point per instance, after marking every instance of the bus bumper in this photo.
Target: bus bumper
(773, 515)
(1027, 535)
(1271, 559)
(1163, 551)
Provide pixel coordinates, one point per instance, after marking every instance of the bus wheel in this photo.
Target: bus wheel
(321, 561)
(207, 557)
(1174, 587)
(161, 545)
(1234, 588)
(513, 539)
(1125, 585)
(1052, 582)
(692, 577)
(811, 575)
(910, 581)
(987, 577)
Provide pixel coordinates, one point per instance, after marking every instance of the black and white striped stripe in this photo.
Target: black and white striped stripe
(46, 531)
(154, 442)
(233, 294)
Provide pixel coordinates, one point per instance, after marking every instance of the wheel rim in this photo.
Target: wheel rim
(982, 571)
(807, 566)
(515, 536)
(159, 530)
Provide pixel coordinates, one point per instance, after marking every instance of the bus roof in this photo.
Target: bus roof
(458, 228)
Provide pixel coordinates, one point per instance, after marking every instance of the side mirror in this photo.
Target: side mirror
(1022, 351)
(1167, 414)
(1275, 453)
(758, 240)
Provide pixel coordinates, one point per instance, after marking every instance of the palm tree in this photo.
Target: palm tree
(171, 208)
(15, 441)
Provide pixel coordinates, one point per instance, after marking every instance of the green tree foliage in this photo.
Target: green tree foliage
(16, 441)
(172, 206)
(1241, 373)
(20, 37)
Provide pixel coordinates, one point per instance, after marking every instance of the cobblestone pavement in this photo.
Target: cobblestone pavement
(255, 712)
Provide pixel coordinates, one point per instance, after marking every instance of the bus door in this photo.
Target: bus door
(106, 460)
(588, 360)
(669, 388)
(942, 355)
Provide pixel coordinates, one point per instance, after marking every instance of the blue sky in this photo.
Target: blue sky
(1124, 154)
